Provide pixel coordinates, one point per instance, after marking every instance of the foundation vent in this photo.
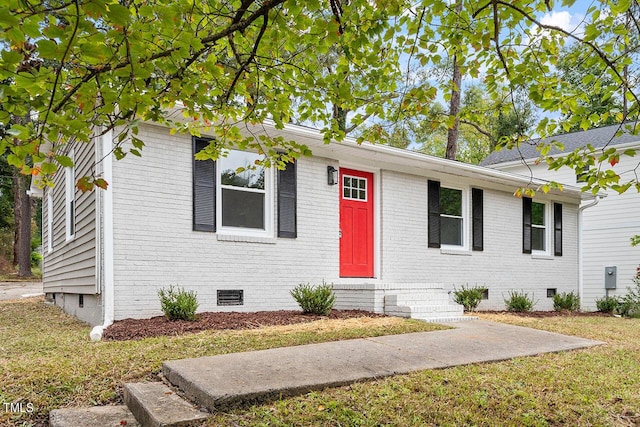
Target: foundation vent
(230, 297)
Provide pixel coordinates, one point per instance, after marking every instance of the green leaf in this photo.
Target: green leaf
(64, 161)
(119, 15)
(47, 49)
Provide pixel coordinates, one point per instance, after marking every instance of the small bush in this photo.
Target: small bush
(607, 304)
(36, 258)
(519, 301)
(469, 298)
(178, 304)
(630, 303)
(566, 301)
(314, 299)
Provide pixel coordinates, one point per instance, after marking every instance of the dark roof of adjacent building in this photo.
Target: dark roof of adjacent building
(598, 137)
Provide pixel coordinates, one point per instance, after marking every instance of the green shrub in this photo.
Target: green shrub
(566, 301)
(469, 298)
(630, 303)
(518, 301)
(314, 299)
(607, 304)
(36, 258)
(178, 304)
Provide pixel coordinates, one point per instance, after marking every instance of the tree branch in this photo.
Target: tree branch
(478, 128)
(208, 40)
(59, 71)
(590, 44)
(252, 55)
(496, 37)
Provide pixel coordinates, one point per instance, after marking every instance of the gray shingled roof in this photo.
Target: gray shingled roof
(598, 137)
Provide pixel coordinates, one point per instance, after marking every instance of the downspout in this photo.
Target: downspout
(580, 254)
(108, 292)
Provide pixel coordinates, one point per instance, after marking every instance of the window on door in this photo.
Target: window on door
(354, 188)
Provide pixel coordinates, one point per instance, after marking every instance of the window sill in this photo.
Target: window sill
(542, 256)
(249, 239)
(452, 251)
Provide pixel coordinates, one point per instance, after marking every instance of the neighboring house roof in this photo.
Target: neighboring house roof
(598, 138)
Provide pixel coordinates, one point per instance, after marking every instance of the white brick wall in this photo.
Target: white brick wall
(607, 228)
(500, 267)
(156, 247)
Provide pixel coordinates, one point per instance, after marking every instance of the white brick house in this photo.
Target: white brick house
(397, 225)
(608, 224)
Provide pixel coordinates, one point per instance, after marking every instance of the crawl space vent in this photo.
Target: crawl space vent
(230, 297)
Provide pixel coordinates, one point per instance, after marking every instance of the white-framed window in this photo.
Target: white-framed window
(354, 188)
(244, 192)
(453, 225)
(49, 220)
(70, 200)
(540, 214)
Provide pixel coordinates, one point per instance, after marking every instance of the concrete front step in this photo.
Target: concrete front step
(414, 312)
(417, 298)
(156, 405)
(97, 416)
(445, 319)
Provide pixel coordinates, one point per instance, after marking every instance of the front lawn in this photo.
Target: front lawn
(593, 387)
(47, 360)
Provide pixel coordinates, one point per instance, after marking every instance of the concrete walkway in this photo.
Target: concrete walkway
(217, 381)
(17, 290)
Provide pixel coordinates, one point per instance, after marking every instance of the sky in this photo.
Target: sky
(568, 18)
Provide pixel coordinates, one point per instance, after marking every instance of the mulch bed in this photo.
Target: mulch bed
(129, 329)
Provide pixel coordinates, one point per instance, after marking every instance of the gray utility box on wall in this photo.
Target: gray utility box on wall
(610, 274)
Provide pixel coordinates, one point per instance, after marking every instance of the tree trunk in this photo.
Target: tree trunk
(340, 116)
(22, 227)
(454, 105)
(454, 110)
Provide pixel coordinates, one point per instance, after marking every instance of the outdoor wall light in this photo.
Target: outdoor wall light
(332, 175)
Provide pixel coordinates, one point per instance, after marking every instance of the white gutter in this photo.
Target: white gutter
(580, 254)
(108, 292)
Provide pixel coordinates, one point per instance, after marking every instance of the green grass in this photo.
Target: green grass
(46, 357)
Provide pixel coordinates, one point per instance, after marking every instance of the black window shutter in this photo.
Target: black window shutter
(433, 212)
(287, 195)
(557, 229)
(204, 190)
(477, 217)
(526, 225)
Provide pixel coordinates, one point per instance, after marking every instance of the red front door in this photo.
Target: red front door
(356, 223)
